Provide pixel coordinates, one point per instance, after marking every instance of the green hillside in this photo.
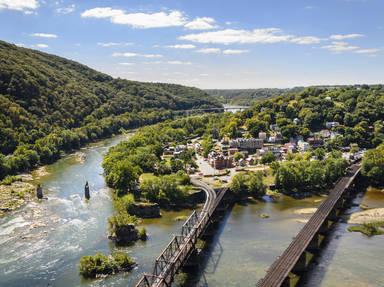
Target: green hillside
(247, 96)
(49, 104)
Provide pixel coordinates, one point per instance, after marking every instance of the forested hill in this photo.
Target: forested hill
(247, 96)
(49, 104)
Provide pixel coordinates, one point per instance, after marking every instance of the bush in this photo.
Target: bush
(10, 179)
(143, 234)
(100, 264)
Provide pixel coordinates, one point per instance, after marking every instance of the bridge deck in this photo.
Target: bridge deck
(280, 269)
(181, 246)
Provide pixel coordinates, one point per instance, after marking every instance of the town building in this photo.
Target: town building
(250, 144)
(315, 142)
(325, 133)
(330, 125)
(263, 136)
(302, 145)
(219, 161)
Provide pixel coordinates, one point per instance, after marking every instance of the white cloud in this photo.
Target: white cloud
(234, 52)
(114, 44)
(66, 10)
(345, 36)
(152, 63)
(19, 5)
(368, 51)
(137, 20)
(131, 55)
(127, 64)
(262, 36)
(340, 47)
(41, 46)
(201, 23)
(209, 51)
(182, 46)
(179, 63)
(44, 35)
(306, 40)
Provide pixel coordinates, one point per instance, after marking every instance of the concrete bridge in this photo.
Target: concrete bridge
(181, 247)
(288, 267)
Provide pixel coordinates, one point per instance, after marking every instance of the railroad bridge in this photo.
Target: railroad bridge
(288, 267)
(181, 247)
(295, 260)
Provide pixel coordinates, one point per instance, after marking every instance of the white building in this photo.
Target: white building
(303, 146)
(330, 125)
(263, 136)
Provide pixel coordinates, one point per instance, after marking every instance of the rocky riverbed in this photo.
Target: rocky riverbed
(15, 195)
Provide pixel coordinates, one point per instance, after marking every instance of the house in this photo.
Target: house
(168, 151)
(272, 139)
(180, 148)
(302, 145)
(315, 142)
(325, 133)
(274, 127)
(289, 147)
(263, 136)
(250, 144)
(278, 136)
(242, 162)
(330, 125)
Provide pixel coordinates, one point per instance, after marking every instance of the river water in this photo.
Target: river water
(41, 244)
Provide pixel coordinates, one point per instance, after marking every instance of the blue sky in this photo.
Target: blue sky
(211, 43)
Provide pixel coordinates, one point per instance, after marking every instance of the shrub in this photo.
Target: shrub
(100, 264)
(143, 234)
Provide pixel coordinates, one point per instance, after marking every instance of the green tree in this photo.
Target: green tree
(268, 157)
(123, 176)
(373, 165)
(256, 185)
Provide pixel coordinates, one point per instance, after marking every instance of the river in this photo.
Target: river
(41, 243)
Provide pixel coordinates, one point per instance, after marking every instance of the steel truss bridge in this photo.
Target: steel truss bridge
(177, 252)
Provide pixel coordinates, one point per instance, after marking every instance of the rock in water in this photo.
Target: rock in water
(86, 191)
(39, 192)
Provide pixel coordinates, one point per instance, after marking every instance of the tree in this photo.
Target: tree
(373, 165)
(256, 185)
(207, 145)
(268, 157)
(238, 156)
(123, 176)
(319, 153)
(239, 184)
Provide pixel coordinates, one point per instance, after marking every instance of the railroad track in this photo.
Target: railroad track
(280, 269)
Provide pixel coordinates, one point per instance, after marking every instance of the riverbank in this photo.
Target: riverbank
(15, 195)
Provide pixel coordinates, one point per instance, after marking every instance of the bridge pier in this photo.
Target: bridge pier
(301, 264)
(315, 244)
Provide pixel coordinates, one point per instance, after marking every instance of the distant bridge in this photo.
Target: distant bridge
(285, 271)
(177, 252)
(204, 110)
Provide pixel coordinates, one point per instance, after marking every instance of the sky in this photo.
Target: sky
(221, 44)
